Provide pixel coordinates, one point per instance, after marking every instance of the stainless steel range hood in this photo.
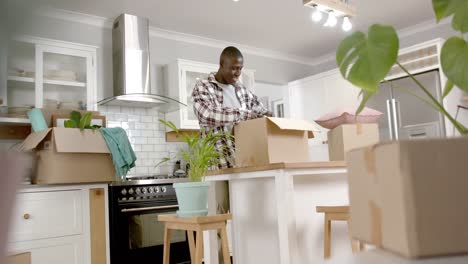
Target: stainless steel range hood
(131, 67)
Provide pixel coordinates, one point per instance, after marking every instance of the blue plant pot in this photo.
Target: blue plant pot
(192, 198)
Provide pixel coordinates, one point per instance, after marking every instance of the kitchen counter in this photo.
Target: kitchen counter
(273, 208)
(383, 257)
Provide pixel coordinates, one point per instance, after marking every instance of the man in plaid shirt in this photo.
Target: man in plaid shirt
(222, 101)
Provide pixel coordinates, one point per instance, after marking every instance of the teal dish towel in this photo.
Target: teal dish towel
(123, 156)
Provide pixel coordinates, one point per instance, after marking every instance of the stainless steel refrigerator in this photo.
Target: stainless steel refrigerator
(405, 116)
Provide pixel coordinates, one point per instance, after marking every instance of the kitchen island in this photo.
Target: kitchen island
(273, 209)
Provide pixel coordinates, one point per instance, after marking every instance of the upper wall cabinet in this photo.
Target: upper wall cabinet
(50, 74)
(181, 77)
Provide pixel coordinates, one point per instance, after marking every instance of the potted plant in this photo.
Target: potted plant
(201, 155)
(365, 60)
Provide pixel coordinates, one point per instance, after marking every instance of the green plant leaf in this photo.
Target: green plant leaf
(366, 95)
(460, 19)
(70, 124)
(366, 60)
(448, 88)
(447, 8)
(75, 116)
(454, 58)
(85, 120)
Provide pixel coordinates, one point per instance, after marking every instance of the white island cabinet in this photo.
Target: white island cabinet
(273, 212)
(61, 224)
(181, 77)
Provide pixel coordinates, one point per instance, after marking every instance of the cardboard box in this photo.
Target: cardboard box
(21, 258)
(270, 140)
(410, 197)
(58, 120)
(351, 136)
(68, 155)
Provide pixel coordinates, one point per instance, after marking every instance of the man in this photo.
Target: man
(222, 101)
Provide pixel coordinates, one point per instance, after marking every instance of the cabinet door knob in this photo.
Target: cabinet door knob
(26, 216)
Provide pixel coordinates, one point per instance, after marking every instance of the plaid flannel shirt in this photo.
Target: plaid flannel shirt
(207, 98)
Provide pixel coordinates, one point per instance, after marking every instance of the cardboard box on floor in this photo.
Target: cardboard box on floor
(270, 140)
(68, 155)
(410, 197)
(351, 136)
(21, 258)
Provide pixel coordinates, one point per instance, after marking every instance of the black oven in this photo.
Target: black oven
(136, 235)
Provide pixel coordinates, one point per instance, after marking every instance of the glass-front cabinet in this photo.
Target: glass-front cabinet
(181, 78)
(49, 74)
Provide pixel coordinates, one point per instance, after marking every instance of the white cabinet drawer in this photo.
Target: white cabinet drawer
(67, 250)
(42, 215)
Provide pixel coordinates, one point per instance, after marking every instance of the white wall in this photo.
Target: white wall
(274, 92)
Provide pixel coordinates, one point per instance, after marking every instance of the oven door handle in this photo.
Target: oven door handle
(149, 208)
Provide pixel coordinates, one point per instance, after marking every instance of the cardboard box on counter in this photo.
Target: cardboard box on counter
(68, 155)
(270, 140)
(21, 258)
(410, 197)
(351, 136)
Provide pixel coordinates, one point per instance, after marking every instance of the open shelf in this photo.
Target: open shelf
(21, 79)
(14, 120)
(47, 81)
(65, 83)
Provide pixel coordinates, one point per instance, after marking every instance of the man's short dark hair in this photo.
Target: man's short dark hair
(230, 52)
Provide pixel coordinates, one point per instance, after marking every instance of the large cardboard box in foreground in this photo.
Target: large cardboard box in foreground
(68, 155)
(270, 140)
(21, 258)
(410, 197)
(351, 136)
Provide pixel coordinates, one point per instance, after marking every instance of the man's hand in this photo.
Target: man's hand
(269, 114)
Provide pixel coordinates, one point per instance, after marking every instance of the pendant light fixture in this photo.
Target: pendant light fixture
(333, 9)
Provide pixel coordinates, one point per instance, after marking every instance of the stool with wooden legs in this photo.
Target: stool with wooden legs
(196, 224)
(336, 213)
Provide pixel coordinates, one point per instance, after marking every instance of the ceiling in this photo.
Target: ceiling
(279, 25)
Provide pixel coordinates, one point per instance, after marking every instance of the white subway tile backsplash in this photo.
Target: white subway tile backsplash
(134, 133)
(113, 109)
(142, 170)
(147, 119)
(147, 148)
(147, 133)
(141, 140)
(132, 117)
(136, 147)
(113, 124)
(147, 136)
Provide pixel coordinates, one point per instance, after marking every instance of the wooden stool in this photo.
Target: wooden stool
(336, 213)
(198, 224)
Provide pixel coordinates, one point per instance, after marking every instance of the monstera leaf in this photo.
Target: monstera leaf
(366, 60)
(454, 58)
(457, 8)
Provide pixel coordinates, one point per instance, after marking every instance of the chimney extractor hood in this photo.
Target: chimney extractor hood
(131, 67)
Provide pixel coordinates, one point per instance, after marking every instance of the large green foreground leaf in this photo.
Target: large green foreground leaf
(447, 8)
(454, 59)
(366, 60)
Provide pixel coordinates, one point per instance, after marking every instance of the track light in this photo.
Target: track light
(347, 25)
(331, 21)
(317, 15)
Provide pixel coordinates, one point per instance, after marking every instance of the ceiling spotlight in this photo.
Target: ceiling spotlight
(235, 0)
(347, 25)
(331, 21)
(317, 15)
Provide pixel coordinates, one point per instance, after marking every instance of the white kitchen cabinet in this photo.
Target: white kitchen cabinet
(317, 95)
(53, 74)
(54, 224)
(181, 77)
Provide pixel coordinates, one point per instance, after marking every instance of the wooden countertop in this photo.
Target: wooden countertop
(282, 165)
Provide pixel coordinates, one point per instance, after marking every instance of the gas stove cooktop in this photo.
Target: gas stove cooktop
(150, 179)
